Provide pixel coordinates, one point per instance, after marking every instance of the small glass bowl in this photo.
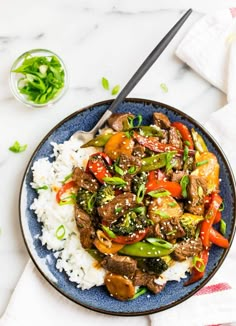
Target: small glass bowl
(14, 78)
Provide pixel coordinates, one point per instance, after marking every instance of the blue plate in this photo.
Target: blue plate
(98, 298)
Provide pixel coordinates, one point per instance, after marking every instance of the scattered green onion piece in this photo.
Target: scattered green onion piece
(132, 170)
(91, 202)
(118, 170)
(186, 151)
(186, 142)
(42, 188)
(223, 226)
(184, 183)
(222, 207)
(201, 163)
(140, 119)
(17, 148)
(109, 232)
(140, 193)
(160, 243)
(172, 204)
(196, 260)
(67, 178)
(140, 210)
(164, 87)
(197, 233)
(162, 214)
(105, 83)
(60, 232)
(157, 194)
(171, 232)
(70, 200)
(170, 163)
(118, 209)
(116, 181)
(115, 90)
(140, 291)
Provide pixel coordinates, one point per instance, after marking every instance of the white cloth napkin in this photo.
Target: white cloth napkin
(210, 49)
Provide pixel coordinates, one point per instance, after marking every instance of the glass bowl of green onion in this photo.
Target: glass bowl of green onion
(38, 78)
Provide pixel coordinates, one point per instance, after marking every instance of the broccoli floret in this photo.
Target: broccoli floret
(189, 222)
(86, 200)
(131, 222)
(155, 265)
(104, 195)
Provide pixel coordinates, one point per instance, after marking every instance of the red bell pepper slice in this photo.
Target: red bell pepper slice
(64, 189)
(185, 133)
(218, 217)
(153, 143)
(97, 166)
(154, 184)
(218, 239)
(196, 274)
(209, 219)
(131, 238)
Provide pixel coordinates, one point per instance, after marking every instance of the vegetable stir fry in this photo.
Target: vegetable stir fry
(149, 197)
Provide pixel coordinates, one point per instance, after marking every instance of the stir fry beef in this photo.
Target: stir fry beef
(130, 163)
(187, 248)
(148, 280)
(139, 150)
(119, 121)
(175, 138)
(161, 120)
(177, 176)
(85, 227)
(197, 190)
(123, 265)
(84, 180)
(171, 228)
(117, 207)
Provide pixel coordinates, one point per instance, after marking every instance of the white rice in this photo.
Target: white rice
(71, 256)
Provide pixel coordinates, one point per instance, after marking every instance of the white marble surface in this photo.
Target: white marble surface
(95, 38)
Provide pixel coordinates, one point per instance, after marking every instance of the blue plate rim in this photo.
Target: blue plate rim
(148, 102)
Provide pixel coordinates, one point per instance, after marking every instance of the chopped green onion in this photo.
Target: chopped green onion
(164, 87)
(43, 78)
(91, 202)
(140, 210)
(118, 170)
(132, 169)
(223, 226)
(116, 181)
(197, 260)
(184, 183)
(60, 232)
(170, 163)
(197, 233)
(67, 178)
(158, 193)
(140, 119)
(160, 243)
(186, 142)
(115, 90)
(109, 232)
(42, 188)
(70, 200)
(162, 214)
(140, 193)
(222, 207)
(105, 83)
(186, 151)
(202, 163)
(17, 148)
(171, 232)
(118, 209)
(172, 204)
(140, 291)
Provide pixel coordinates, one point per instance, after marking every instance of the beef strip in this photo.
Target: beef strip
(139, 150)
(119, 121)
(175, 138)
(177, 176)
(187, 248)
(161, 120)
(126, 162)
(109, 212)
(148, 280)
(196, 190)
(84, 180)
(85, 227)
(171, 228)
(122, 265)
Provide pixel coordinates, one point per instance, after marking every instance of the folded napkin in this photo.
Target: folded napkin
(208, 48)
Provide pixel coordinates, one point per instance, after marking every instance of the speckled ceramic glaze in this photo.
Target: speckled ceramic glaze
(97, 298)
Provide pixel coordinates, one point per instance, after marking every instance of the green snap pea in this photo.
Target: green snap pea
(144, 249)
(98, 141)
